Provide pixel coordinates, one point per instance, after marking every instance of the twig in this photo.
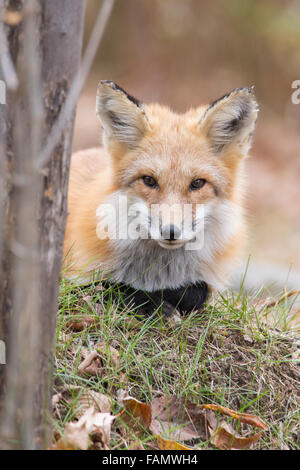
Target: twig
(6, 63)
(78, 82)
(285, 296)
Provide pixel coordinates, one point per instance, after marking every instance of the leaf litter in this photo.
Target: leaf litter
(175, 423)
(171, 420)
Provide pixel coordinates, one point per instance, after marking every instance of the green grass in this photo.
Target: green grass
(235, 353)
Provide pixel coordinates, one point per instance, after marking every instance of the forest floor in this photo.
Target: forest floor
(122, 381)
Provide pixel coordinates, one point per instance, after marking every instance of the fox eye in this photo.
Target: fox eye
(197, 184)
(150, 182)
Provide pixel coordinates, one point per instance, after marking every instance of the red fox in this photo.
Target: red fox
(155, 158)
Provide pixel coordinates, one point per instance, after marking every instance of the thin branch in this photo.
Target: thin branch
(6, 63)
(78, 82)
(25, 324)
(285, 296)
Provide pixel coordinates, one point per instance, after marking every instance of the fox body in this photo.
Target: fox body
(155, 158)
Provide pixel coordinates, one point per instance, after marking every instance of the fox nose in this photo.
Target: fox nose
(170, 232)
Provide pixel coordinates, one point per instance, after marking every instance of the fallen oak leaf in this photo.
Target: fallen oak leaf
(136, 415)
(96, 361)
(180, 419)
(61, 444)
(90, 398)
(75, 437)
(176, 418)
(167, 444)
(225, 439)
(84, 398)
(92, 429)
(243, 417)
(108, 353)
(91, 365)
(183, 420)
(82, 322)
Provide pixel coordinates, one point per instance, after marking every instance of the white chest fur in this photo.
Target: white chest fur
(145, 265)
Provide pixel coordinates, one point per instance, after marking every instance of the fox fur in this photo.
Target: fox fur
(207, 144)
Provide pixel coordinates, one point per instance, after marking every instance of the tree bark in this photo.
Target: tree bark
(59, 35)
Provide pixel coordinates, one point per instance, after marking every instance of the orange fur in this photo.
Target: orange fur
(175, 151)
(90, 181)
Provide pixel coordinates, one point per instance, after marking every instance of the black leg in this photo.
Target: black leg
(188, 298)
(184, 299)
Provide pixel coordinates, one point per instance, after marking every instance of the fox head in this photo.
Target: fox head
(186, 166)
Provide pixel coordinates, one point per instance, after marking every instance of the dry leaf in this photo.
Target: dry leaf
(243, 417)
(56, 399)
(121, 395)
(165, 444)
(136, 445)
(110, 354)
(91, 365)
(96, 307)
(225, 438)
(63, 445)
(75, 437)
(85, 398)
(136, 415)
(180, 420)
(91, 398)
(91, 431)
(96, 361)
(81, 322)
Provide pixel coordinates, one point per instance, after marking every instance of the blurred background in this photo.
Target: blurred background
(184, 53)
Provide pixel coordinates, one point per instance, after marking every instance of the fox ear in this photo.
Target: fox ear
(122, 116)
(231, 121)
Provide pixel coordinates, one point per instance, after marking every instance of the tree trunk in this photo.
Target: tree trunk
(59, 35)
